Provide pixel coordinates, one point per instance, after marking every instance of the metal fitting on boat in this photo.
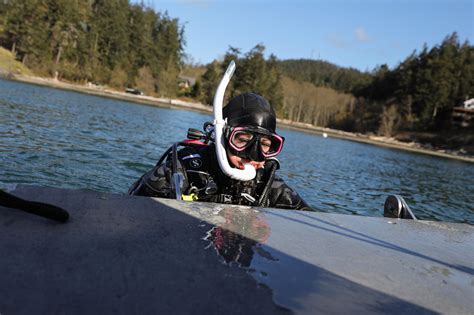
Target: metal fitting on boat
(396, 207)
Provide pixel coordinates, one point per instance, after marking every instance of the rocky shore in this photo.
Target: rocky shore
(403, 143)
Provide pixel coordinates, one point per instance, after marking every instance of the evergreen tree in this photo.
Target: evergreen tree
(27, 30)
(210, 80)
(169, 39)
(65, 22)
(109, 37)
(465, 73)
(196, 91)
(106, 41)
(426, 86)
(274, 90)
(254, 74)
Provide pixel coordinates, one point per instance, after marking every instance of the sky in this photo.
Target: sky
(361, 34)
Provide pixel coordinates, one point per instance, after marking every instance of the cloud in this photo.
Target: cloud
(344, 42)
(361, 35)
(336, 41)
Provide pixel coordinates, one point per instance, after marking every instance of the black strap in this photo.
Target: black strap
(38, 208)
(162, 158)
(266, 191)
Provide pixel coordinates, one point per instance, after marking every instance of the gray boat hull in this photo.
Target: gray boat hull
(123, 254)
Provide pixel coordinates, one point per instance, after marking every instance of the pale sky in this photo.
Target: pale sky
(352, 33)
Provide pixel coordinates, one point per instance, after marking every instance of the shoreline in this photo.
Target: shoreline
(198, 107)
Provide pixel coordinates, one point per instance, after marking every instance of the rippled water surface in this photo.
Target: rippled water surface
(64, 139)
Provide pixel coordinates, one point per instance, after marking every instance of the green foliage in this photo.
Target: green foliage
(168, 83)
(196, 91)
(254, 73)
(210, 80)
(8, 64)
(426, 86)
(145, 82)
(125, 45)
(26, 29)
(324, 74)
(118, 78)
(106, 41)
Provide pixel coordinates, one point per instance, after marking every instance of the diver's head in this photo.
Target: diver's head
(250, 130)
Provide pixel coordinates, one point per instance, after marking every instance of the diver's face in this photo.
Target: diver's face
(238, 162)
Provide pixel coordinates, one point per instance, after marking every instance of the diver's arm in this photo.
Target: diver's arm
(154, 183)
(284, 197)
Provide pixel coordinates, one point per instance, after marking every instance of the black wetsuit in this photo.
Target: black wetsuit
(204, 181)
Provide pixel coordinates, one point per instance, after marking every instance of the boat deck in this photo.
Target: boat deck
(123, 254)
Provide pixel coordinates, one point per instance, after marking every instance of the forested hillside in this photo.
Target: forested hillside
(293, 98)
(253, 73)
(324, 74)
(417, 95)
(123, 45)
(107, 42)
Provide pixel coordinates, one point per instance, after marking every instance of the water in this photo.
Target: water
(64, 139)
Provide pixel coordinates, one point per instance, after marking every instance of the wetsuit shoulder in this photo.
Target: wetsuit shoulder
(284, 197)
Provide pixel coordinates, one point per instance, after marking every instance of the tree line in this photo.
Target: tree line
(292, 99)
(417, 95)
(121, 44)
(109, 42)
(253, 73)
(324, 74)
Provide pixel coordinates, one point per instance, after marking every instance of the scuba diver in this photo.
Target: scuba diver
(233, 161)
(250, 138)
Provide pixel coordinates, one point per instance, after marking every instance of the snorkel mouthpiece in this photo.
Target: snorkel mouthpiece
(248, 173)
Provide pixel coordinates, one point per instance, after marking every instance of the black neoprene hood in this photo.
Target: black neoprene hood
(250, 109)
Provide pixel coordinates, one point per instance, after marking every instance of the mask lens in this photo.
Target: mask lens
(271, 145)
(266, 145)
(241, 139)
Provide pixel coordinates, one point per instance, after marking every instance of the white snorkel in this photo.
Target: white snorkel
(248, 173)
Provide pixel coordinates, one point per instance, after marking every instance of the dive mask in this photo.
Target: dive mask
(254, 143)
